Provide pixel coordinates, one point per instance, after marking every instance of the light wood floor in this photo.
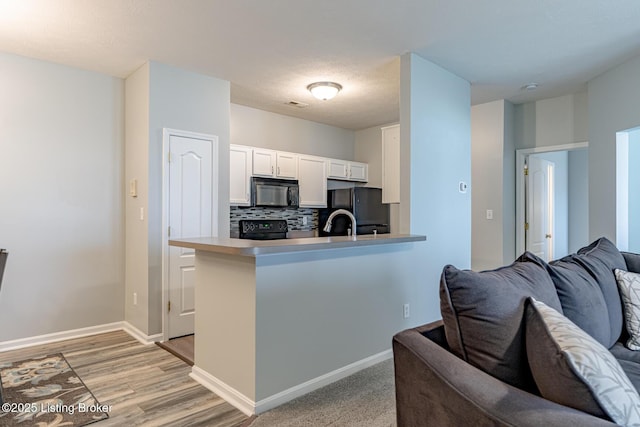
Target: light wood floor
(145, 385)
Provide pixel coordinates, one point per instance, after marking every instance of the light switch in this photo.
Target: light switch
(133, 188)
(489, 213)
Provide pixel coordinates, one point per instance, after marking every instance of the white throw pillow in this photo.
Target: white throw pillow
(629, 285)
(573, 369)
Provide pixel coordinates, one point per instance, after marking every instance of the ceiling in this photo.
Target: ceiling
(270, 50)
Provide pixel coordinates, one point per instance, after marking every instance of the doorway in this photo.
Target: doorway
(190, 199)
(565, 218)
(540, 215)
(627, 190)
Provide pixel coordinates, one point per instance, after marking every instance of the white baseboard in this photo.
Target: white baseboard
(228, 393)
(78, 333)
(250, 407)
(60, 336)
(139, 335)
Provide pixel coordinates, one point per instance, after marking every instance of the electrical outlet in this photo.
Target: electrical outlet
(135, 298)
(406, 311)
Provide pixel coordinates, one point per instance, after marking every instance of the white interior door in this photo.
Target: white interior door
(539, 198)
(191, 214)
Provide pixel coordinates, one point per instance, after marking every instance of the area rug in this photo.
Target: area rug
(46, 391)
(364, 399)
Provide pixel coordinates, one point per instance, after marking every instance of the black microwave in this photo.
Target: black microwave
(271, 192)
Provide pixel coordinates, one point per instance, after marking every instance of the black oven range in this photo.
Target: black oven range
(263, 229)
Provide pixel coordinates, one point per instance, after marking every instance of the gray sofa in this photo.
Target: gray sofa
(472, 368)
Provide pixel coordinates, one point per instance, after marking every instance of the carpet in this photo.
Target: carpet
(364, 399)
(46, 391)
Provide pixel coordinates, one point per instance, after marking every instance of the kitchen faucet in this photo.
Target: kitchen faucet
(327, 227)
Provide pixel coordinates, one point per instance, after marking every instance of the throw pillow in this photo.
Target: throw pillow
(483, 316)
(573, 369)
(580, 296)
(629, 285)
(599, 259)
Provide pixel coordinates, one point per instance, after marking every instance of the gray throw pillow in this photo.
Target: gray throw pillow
(483, 315)
(599, 259)
(573, 369)
(580, 296)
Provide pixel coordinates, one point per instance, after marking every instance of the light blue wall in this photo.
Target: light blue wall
(578, 199)
(182, 100)
(435, 125)
(614, 102)
(634, 191)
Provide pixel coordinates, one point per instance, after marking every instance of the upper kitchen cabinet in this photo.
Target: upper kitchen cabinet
(264, 162)
(347, 170)
(312, 180)
(286, 165)
(391, 164)
(240, 166)
(274, 164)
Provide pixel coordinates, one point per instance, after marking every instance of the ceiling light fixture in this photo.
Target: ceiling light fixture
(324, 90)
(530, 86)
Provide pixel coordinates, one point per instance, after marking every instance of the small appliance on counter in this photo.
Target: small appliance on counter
(272, 193)
(263, 229)
(365, 203)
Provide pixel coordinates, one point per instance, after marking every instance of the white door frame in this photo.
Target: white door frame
(521, 156)
(215, 163)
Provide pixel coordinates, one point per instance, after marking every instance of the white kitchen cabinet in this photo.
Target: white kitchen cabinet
(275, 164)
(347, 170)
(240, 167)
(286, 165)
(391, 164)
(358, 171)
(337, 169)
(312, 179)
(264, 162)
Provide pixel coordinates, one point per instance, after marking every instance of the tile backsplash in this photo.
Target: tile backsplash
(294, 217)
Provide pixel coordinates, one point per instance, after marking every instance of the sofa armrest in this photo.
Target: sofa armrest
(435, 387)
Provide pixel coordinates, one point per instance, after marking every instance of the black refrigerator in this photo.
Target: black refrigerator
(365, 203)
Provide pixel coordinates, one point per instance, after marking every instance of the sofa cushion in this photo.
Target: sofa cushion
(483, 316)
(632, 260)
(573, 369)
(599, 259)
(629, 285)
(580, 296)
(578, 277)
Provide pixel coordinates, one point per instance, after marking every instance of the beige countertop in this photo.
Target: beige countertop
(254, 248)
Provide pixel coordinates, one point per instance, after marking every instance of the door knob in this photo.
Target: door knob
(548, 236)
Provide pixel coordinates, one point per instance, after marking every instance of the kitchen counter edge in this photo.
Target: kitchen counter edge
(252, 248)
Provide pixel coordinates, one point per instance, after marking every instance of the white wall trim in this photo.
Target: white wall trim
(79, 333)
(139, 335)
(59, 336)
(250, 407)
(225, 391)
(521, 156)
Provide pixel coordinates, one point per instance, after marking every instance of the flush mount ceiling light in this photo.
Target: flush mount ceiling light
(324, 90)
(530, 86)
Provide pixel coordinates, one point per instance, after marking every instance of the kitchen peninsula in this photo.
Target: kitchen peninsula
(277, 319)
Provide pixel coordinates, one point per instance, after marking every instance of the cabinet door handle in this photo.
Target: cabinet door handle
(271, 170)
(278, 170)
